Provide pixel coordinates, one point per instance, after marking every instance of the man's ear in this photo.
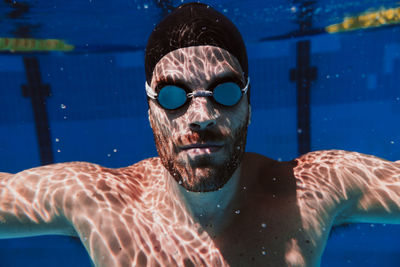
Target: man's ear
(248, 123)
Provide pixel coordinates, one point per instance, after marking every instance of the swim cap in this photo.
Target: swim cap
(193, 24)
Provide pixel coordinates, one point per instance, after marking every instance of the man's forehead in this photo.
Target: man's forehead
(207, 61)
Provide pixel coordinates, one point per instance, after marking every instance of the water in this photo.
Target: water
(97, 110)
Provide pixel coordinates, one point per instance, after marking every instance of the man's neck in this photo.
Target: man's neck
(208, 208)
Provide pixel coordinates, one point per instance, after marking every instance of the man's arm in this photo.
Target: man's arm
(354, 187)
(376, 184)
(33, 202)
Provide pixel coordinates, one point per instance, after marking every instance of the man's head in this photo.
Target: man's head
(202, 142)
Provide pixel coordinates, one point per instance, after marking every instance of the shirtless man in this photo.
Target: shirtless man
(203, 201)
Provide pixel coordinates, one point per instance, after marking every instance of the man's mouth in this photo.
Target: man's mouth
(204, 148)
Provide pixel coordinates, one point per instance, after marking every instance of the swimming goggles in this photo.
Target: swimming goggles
(173, 97)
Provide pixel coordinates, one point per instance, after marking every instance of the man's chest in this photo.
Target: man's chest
(270, 235)
(255, 234)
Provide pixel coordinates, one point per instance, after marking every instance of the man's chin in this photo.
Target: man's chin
(203, 184)
(205, 176)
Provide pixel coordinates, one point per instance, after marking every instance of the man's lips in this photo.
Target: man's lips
(202, 148)
(200, 145)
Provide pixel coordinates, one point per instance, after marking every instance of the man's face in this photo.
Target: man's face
(201, 144)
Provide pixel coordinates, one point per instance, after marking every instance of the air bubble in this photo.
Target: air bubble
(264, 252)
(63, 106)
(237, 211)
(115, 150)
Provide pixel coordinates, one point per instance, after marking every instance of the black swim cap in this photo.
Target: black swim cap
(193, 24)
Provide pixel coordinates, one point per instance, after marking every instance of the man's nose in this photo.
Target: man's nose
(202, 125)
(204, 117)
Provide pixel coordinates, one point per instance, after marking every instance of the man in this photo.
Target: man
(203, 201)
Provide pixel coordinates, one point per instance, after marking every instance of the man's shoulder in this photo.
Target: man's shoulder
(146, 166)
(153, 162)
(81, 168)
(318, 157)
(316, 164)
(336, 169)
(333, 157)
(64, 167)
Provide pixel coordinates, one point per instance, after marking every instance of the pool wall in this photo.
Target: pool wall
(98, 113)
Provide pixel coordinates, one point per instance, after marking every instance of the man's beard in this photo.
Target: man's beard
(214, 176)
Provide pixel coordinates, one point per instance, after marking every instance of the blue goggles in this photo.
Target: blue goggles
(173, 97)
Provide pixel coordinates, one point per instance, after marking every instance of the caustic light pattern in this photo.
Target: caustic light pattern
(131, 216)
(124, 217)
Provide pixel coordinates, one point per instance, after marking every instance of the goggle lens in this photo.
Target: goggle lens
(173, 97)
(227, 94)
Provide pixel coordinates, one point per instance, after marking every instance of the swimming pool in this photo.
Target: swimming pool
(97, 112)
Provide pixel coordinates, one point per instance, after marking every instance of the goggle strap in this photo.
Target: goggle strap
(244, 90)
(149, 91)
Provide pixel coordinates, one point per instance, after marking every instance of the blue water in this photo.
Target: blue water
(98, 113)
